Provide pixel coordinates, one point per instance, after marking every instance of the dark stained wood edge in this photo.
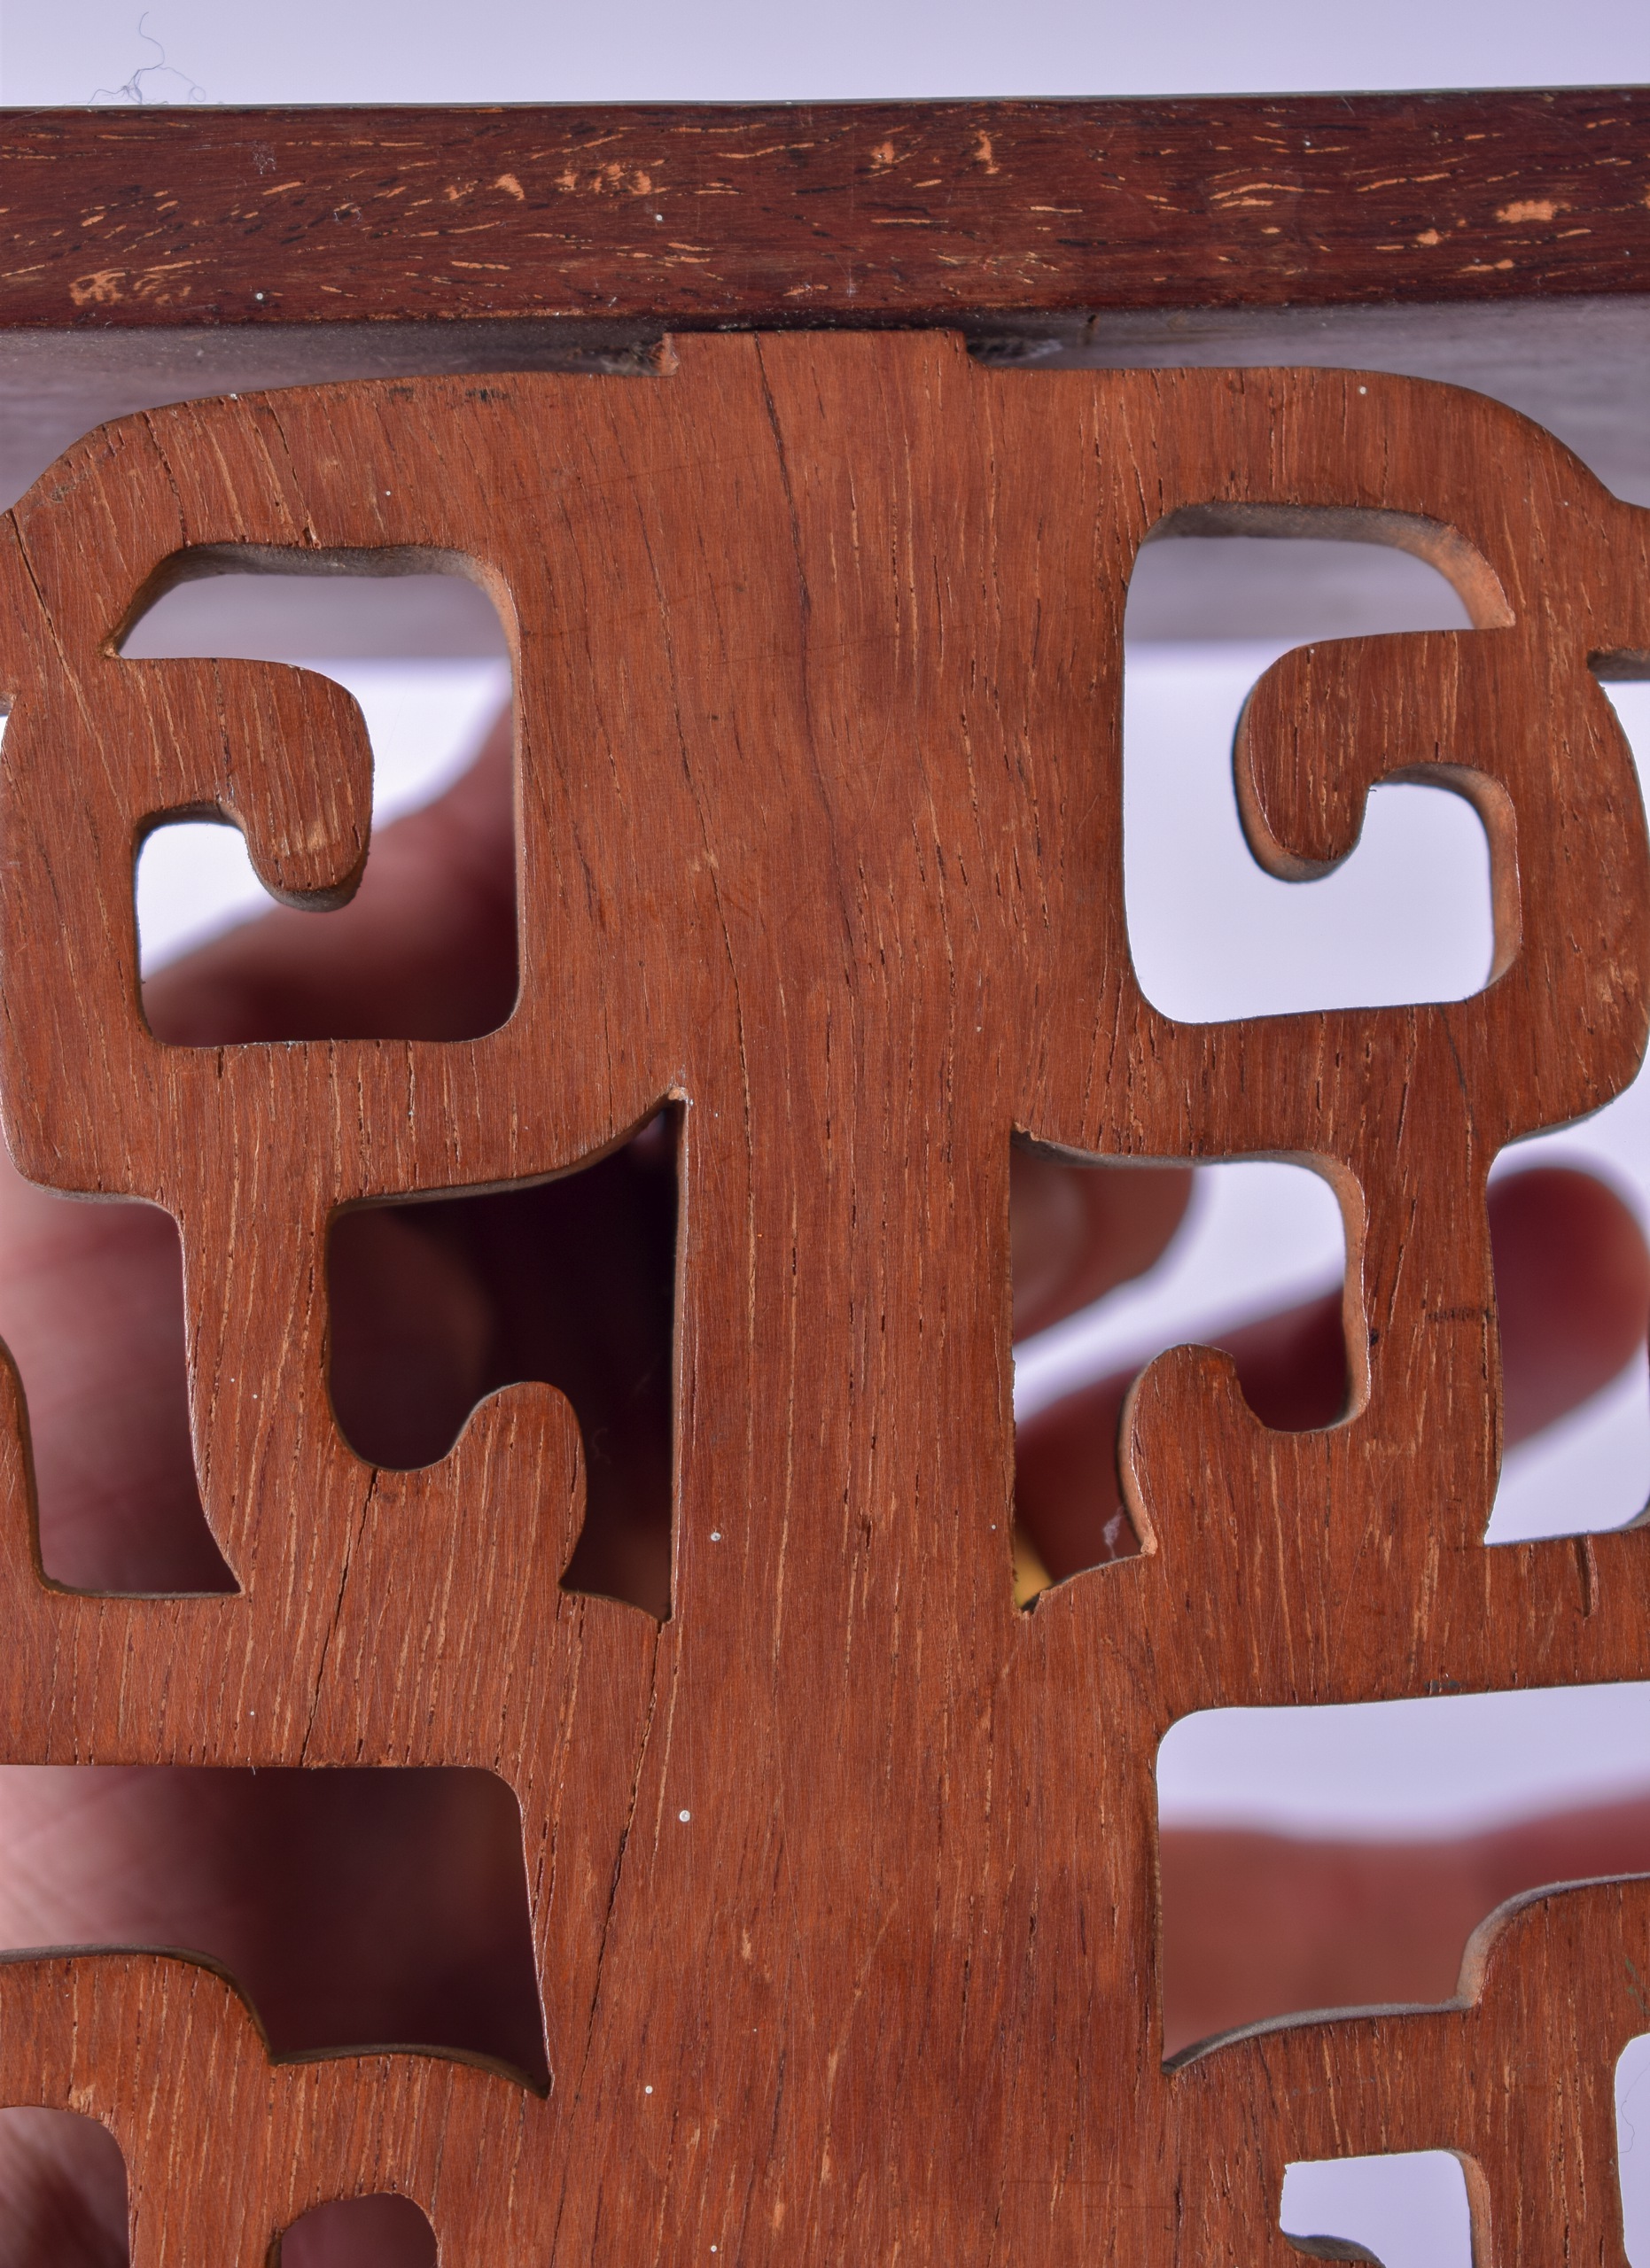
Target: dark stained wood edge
(700, 216)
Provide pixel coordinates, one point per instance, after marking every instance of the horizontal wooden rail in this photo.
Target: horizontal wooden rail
(691, 215)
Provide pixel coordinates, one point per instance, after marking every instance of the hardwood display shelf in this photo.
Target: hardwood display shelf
(842, 1872)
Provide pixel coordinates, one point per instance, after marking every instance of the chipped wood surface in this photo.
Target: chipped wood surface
(778, 215)
(842, 1878)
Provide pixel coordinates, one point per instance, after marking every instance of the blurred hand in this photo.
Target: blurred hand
(391, 1914)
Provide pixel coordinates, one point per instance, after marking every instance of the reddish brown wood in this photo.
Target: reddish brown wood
(843, 1877)
(777, 214)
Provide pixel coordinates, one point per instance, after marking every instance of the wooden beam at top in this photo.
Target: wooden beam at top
(905, 213)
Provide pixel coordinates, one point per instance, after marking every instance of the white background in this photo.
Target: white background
(490, 51)
(1206, 924)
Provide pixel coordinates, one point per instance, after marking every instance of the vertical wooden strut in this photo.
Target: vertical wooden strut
(842, 1879)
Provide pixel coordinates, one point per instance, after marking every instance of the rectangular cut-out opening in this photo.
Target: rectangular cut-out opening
(436, 1303)
(355, 1909)
(1589, 1469)
(1404, 2208)
(1342, 1856)
(1632, 2147)
(425, 947)
(1247, 1255)
(1406, 916)
(92, 1308)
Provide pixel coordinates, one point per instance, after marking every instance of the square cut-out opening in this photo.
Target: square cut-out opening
(424, 948)
(355, 1908)
(436, 1303)
(1407, 915)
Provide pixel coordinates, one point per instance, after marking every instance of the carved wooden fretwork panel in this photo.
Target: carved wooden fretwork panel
(841, 1879)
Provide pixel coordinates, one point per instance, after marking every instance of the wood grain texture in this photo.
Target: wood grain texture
(777, 214)
(842, 1878)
